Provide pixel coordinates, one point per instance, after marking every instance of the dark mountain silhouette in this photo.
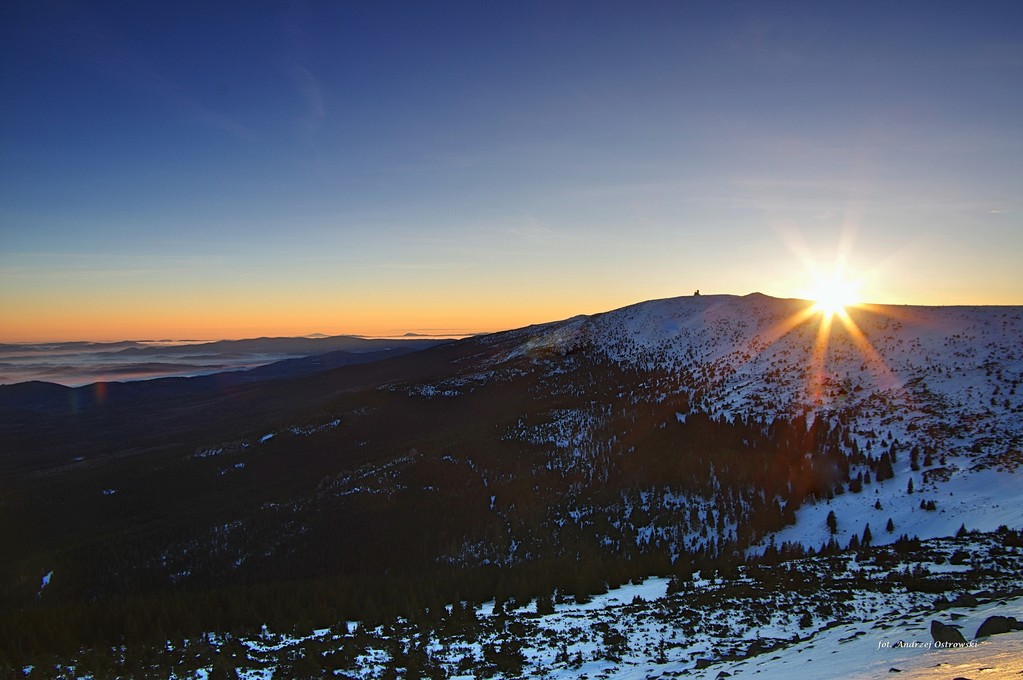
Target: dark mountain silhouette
(31, 396)
(78, 364)
(659, 438)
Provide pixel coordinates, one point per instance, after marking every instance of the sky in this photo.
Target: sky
(221, 170)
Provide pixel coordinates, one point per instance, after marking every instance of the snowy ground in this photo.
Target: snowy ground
(845, 615)
(946, 380)
(902, 642)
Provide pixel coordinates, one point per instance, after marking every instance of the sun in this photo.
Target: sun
(833, 293)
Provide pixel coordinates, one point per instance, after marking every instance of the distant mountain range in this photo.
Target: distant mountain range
(81, 363)
(661, 438)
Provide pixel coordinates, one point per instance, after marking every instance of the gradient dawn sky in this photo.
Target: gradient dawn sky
(217, 170)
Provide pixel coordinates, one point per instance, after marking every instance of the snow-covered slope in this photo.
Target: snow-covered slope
(766, 355)
(942, 380)
(688, 446)
(847, 615)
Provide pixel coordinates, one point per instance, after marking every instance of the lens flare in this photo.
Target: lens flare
(832, 294)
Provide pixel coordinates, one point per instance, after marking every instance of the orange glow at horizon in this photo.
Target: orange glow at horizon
(212, 319)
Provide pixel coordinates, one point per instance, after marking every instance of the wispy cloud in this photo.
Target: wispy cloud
(309, 88)
(99, 47)
(305, 81)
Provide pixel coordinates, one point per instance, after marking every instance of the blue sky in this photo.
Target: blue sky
(373, 167)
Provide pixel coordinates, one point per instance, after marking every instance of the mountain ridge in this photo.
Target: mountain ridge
(660, 439)
(78, 364)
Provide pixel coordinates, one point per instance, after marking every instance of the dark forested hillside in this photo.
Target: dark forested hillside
(551, 460)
